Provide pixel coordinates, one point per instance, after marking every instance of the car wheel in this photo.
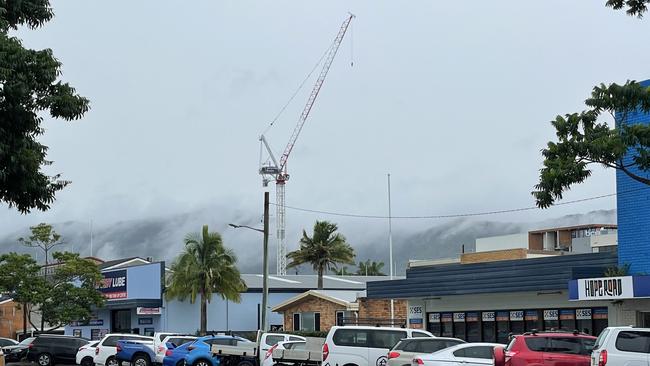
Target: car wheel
(245, 363)
(140, 360)
(111, 361)
(87, 361)
(202, 363)
(44, 359)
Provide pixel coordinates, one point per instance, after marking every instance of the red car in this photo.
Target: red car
(546, 349)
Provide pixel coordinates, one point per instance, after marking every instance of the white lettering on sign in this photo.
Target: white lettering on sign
(488, 316)
(605, 288)
(550, 315)
(517, 315)
(459, 317)
(583, 314)
(415, 311)
(434, 318)
(148, 311)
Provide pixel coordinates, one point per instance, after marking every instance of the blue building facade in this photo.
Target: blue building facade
(633, 204)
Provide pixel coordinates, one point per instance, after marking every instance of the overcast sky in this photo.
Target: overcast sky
(452, 98)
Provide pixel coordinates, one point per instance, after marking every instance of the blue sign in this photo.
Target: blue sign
(145, 321)
(113, 285)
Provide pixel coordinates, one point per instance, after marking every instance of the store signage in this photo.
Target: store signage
(145, 321)
(434, 318)
(503, 316)
(551, 315)
(583, 314)
(488, 316)
(532, 315)
(600, 313)
(91, 322)
(471, 317)
(517, 315)
(416, 316)
(148, 311)
(567, 314)
(113, 285)
(459, 317)
(446, 317)
(605, 288)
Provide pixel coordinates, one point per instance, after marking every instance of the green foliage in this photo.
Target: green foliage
(634, 7)
(618, 271)
(205, 267)
(325, 249)
(65, 295)
(29, 85)
(585, 139)
(343, 271)
(43, 237)
(369, 268)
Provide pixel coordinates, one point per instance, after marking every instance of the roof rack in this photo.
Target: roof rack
(553, 330)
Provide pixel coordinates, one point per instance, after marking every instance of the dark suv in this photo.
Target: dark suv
(547, 349)
(46, 350)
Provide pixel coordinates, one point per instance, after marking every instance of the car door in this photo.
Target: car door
(474, 356)
(381, 341)
(565, 351)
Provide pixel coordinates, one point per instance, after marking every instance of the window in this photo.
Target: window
(6, 342)
(536, 344)
(629, 341)
(317, 322)
(386, 338)
(419, 334)
(110, 341)
(601, 339)
(339, 317)
(485, 352)
(433, 345)
(572, 346)
(272, 340)
(221, 341)
(351, 337)
(296, 321)
(292, 338)
(179, 341)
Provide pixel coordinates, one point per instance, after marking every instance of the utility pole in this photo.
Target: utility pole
(390, 249)
(265, 280)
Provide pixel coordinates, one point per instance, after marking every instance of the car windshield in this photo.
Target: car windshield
(27, 341)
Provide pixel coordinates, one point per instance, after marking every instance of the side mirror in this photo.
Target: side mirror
(499, 356)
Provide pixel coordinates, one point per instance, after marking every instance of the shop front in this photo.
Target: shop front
(133, 303)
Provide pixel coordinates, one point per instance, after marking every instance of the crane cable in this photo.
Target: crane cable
(449, 216)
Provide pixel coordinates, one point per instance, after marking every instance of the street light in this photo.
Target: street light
(265, 277)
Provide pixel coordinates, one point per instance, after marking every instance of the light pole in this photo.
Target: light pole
(265, 269)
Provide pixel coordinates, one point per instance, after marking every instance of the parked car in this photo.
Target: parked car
(546, 348)
(466, 354)
(268, 340)
(406, 349)
(48, 349)
(175, 356)
(176, 340)
(4, 342)
(18, 352)
(268, 356)
(200, 353)
(107, 347)
(619, 346)
(363, 345)
(86, 353)
(135, 352)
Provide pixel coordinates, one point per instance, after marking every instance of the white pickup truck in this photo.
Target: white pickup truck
(254, 354)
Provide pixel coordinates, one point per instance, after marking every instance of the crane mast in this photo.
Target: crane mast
(278, 169)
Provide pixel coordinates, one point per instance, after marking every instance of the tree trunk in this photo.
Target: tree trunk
(204, 315)
(320, 278)
(25, 319)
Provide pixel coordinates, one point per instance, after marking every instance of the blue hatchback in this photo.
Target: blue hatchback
(175, 356)
(200, 351)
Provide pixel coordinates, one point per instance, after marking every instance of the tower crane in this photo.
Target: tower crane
(277, 169)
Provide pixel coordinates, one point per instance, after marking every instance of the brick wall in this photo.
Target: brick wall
(492, 256)
(11, 318)
(633, 211)
(375, 308)
(535, 241)
(326, 309)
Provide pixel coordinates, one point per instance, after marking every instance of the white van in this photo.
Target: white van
(364, 345)
(621, 346)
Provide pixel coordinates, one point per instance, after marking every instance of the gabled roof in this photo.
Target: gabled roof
(120, 263)
(343, 298)
(5, 299)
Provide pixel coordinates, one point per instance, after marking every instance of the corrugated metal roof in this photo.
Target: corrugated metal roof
(534, 274)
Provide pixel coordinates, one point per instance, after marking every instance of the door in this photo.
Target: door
(381, 341)
(474, 356)
(566, 351)
(121, 321)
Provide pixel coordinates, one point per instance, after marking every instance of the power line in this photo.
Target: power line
(449, 216)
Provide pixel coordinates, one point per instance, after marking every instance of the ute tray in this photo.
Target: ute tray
(243, 349)
(311, 354)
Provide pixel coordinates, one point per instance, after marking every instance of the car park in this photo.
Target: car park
(18, 352)
(364, 345)
(107, 347)
(404, 351)
(200, 353)
(86, 353)
(48, 350)
(546, 348)
(175, 356)
(176, 340)
(466, 354)
(621, 346)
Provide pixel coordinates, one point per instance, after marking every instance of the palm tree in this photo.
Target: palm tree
(344, 272)
(369, 268)
(324, 250)
(205, 267)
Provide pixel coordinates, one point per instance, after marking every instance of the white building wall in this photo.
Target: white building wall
(501, 242)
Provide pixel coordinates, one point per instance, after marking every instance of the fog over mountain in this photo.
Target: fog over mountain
(162, 237)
